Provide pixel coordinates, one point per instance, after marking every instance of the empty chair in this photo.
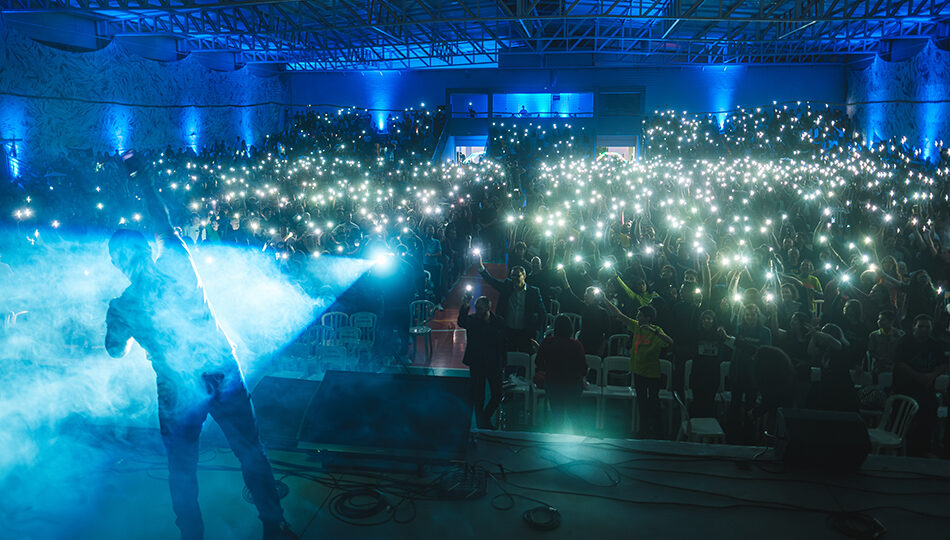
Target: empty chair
(899, 411)
(327, 358)
(420, 324)
(335, 319)
(666, 390)
(348, 337)
(701, 430)
(687, 390)
(724, 396)
(595, 391)
(618, 345)
(316, 335)
(366, 323)
(619, 365)
(520, 370)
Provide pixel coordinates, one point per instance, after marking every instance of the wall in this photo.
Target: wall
(914, 93)
(112, 99)
(698, 89)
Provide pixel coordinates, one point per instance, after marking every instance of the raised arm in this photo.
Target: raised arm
(496, 284)
(615, 310)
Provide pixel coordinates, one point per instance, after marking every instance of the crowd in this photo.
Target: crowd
(776, 238)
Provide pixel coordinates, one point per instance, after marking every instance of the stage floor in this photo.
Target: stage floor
(603, 488)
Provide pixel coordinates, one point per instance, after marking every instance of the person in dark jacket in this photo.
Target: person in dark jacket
(594, 318)
(520, 305)
(562, 360)
(484, 355)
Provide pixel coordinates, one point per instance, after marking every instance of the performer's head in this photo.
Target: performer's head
(482, 306)
(128, 250)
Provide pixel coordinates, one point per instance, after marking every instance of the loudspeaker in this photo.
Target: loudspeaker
(392, 415)
(828, 439)
(280, 403)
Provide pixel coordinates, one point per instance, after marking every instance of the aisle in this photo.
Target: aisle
(448, 340)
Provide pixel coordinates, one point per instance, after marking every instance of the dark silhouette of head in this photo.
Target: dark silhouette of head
(128, 250)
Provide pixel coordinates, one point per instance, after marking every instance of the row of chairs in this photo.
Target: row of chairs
(887, 436)
(603, 389)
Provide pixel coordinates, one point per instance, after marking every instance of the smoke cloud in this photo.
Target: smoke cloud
(65, 401)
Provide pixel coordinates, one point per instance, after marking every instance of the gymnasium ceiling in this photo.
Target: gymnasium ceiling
(412, 34)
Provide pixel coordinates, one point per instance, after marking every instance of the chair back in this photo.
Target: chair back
(666, 372)
(575, 321)
(618, 345)
(899, 411)
(334, 319)
(348, 337)
(724, 368)
(421, 313)
(555, 307)
(316, 335)
(366, 323)
(519, 363)
(615, 363)
(595, 365)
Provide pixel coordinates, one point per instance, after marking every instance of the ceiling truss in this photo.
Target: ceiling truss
(403, 34)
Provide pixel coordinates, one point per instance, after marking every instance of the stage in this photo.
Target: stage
(602, 488)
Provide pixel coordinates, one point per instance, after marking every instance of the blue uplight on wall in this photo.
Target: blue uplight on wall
(721, 83)
(247, 126)
(191, 128)
(379, 88)
(931, 115)
(13, 128)
(119, 127)
(877, 91)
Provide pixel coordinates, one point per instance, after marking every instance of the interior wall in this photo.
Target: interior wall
(695, 89)
(905, 98)
(53, 100)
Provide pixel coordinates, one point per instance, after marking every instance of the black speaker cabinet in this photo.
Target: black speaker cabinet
(420, 417)
(828, 439)
(280, 404)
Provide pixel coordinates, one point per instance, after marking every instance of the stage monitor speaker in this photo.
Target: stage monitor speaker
(280, 404)
(396, 415)
(828, 439)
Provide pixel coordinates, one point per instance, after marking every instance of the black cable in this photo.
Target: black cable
(856, 525)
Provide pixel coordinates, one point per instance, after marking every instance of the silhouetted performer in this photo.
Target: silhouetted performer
(165, 310)
(484, 355)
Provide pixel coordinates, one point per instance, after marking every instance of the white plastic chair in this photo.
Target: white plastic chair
(701, 430)
(596, 390)
(615, 392)
(335, 319)
(420, 324)
(899, 411)
(724, 396)
(523, 384)
(618, 345)
(328, 358)
(666, 392)
(366, 323)
(687, 389)
(575, 320)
